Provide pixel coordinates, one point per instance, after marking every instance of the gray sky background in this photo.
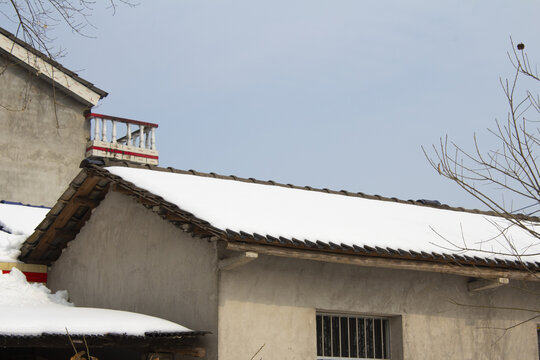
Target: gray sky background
(337, 94)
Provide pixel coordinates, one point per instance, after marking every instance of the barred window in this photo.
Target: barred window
(352, 337)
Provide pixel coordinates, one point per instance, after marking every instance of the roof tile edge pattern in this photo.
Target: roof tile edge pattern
(201, 228)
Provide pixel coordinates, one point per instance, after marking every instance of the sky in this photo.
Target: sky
(331, 94)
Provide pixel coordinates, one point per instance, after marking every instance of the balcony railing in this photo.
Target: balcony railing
(137, 142)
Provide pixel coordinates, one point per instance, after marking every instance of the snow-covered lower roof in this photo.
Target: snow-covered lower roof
(31, 310)
(17, 222)
(348, 221)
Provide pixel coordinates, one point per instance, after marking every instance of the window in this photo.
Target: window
(352, 337)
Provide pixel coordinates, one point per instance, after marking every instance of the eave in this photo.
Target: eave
(49, 70)
(181, 343)
(75, 206)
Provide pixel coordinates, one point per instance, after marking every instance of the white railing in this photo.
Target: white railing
(138, 144)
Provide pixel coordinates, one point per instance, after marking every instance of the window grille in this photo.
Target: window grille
(352, 337)
(538, 335)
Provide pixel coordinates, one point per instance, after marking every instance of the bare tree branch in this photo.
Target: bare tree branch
(510, 172)
(36, 19)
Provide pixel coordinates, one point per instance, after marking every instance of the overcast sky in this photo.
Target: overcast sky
(337, 94)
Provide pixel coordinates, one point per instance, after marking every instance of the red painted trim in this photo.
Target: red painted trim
(116, 151)
(115, 118)
(32, 276)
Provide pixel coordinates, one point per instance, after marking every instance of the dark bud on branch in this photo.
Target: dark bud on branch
(520, 46)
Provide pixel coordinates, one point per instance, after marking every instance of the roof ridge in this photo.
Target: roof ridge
(105, 162)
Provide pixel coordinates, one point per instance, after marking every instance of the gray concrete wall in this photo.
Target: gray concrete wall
(273, 302)
(41, 145)
(128, 258)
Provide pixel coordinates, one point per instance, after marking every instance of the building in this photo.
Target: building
(47, 130)
(42, 118)
(271, 270)
(292, 273)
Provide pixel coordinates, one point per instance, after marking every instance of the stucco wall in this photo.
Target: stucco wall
(273, 302)
(41, 146)
(128, 258)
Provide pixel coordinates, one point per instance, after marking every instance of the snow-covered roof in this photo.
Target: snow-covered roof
(332, 218)
(32, 310)
(17, 222)
(247, 213)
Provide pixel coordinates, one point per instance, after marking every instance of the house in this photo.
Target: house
(42, 107)
(277, 271)
(46, 131)
(39, 325)
(271, 270)
(48, 127)
(35, 323)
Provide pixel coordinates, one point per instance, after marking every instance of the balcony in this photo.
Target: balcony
(137, 141)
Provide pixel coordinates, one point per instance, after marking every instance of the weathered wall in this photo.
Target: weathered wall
(273, 301)
(41, 146)
(128, 258)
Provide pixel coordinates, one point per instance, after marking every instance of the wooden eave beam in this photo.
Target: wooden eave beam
(147, 201)
(192, 351)
(388, 263)
(122, 189)
(174, 345)
(85, 201)
(486, 284)
(64, 234)
(237, 261)
(55, 229)
(174, 217)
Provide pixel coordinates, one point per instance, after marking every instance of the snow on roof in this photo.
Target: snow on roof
(17, 222)
(312, 215)
(31, 309)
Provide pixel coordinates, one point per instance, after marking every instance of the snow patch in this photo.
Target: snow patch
(16, 290)
(17, 223)
(31, 309)
(21, 219)
(10, 246)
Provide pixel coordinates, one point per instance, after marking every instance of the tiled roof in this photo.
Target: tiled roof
(94, 181)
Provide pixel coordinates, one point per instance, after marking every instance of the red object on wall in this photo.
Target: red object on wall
(32, 276)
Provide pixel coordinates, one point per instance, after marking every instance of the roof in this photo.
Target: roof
(25, 55)
(17, 222)
(147, 342)
(292, 218)
(30, 313)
